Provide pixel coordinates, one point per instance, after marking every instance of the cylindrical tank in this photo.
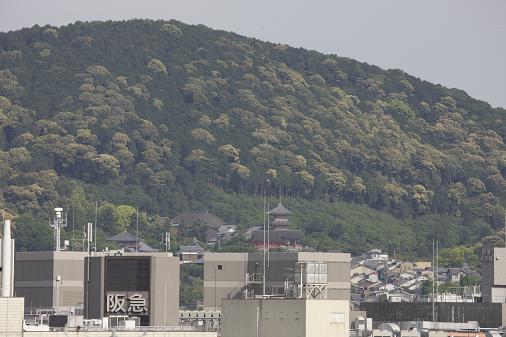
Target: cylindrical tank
(6, 260)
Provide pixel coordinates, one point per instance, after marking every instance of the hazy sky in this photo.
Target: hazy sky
(458, 43)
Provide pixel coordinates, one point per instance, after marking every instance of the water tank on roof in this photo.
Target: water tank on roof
(392, 327)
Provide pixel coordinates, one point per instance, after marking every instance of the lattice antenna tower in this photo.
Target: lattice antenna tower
(59, 222)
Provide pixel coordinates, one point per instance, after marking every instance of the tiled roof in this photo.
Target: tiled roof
(280, 210)
(191, 249)
(191, 217)
(123, 237)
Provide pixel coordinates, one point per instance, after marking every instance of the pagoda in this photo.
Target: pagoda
(280, 214)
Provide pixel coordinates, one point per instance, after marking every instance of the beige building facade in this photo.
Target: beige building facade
(11, 325)
(50, 279)
(226, 275)
(145, 285)
(493, 269)
(285, 318)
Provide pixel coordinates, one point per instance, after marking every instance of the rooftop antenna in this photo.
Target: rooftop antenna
(437, 270)
(96, 220)
(433, 280)
(73, 224)
(137, 227)
(89, 237)
(166, 241)
(263, 264)
(268, 236)
(59, 221)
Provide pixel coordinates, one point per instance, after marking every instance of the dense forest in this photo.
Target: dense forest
(166, 116)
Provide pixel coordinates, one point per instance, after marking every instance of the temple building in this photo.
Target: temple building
(279, 234)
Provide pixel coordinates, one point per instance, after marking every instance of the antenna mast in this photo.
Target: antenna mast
(137, 226)
(96, 220)
(437, 270)
(264, 251)
(433, 280)
(268, 236)
(59, 221)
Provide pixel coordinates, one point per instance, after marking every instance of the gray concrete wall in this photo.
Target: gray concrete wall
(118, 334)
(221, 283)
(266, 318)
(94, 287)
(33, 279)
(164, 288)
(493, 284)
(285, 318)
(164, 291)
(36, 279)
(487, 280)
(499, 266)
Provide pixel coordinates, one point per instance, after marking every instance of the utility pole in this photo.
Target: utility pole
(433, 280)
(437, 270)
(264, 251)
(96, 220)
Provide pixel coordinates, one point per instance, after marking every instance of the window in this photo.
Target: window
(220, 267)
(127, 274)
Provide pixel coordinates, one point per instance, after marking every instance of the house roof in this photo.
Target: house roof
(143, 247)
(123, 237)
(277, 236)
(191, 249)
(190, 217)
(280, 210)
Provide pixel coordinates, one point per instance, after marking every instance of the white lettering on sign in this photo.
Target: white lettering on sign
(137, 304)
(117, 303)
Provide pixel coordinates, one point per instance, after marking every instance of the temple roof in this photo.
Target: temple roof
(280, 210)
(123, 237)
(191, 217)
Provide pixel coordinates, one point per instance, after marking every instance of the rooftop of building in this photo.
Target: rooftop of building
(205, 217)
(124, 237)
(280, 210)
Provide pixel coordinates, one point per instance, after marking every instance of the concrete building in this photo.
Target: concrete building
(137, 284)
(11, 316)
(230, 275)
(488, 315)
(493, 269)
(285, 318)
(190, 253)
(11, 325)
(49, 280)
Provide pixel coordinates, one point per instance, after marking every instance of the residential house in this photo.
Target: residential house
(190, 253)
(130, 243)
(216, 229)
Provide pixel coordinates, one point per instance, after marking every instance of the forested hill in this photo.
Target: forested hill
(167, 116)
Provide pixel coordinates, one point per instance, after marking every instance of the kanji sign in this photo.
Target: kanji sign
(116, 303)
(121, 303)
(137, 304)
